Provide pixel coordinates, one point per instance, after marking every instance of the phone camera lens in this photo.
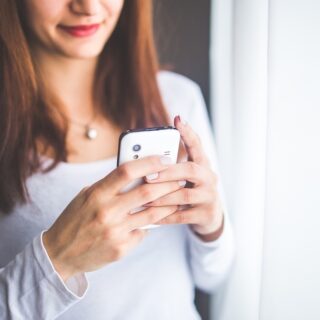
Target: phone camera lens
(136, 147)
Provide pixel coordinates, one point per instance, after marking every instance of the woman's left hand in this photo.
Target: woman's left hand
(200, 205)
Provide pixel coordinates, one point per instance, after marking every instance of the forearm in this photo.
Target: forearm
(28, 282)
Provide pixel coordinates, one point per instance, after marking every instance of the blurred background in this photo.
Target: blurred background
(258, 64)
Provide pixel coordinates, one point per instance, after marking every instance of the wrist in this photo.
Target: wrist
(208, 236)
(61, 268)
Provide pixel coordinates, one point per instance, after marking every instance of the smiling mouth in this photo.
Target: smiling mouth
(81, 30)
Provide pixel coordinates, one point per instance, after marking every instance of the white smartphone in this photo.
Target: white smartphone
(138, 143)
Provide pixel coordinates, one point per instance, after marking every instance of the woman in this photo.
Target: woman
(74, 74)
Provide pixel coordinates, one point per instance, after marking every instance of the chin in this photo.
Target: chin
(83, 53)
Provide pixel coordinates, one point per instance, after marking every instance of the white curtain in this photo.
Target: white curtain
(265, 74)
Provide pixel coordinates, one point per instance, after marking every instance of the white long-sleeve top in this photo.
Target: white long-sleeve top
(155, 280)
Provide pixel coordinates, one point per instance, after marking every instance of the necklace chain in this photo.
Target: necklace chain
(81, 124)
(90, 132)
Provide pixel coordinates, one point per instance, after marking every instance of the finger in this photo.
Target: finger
(135, 237)
(130, 171)
(182, 153)
(180, 172)
(191, 141)
(143, 194)
(149, 216)
(186, 216)
(183, 196)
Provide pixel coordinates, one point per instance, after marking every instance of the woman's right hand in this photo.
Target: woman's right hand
(96, 228)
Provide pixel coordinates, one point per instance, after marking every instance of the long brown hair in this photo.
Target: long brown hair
(130, 96)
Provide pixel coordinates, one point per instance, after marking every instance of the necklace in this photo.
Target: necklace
(90, 132)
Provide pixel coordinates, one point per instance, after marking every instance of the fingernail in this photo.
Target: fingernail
(166, 160)
(152, 176)
(182, 183)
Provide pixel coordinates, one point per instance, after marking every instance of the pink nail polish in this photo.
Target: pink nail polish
(152, 176)
(182, 183)
(181, 120)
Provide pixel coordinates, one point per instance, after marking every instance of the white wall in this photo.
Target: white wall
(270, 128)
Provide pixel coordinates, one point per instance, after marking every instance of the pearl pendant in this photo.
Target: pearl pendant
(91, 133)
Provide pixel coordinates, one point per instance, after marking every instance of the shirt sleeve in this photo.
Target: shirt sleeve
(210, 261)
(30, 287)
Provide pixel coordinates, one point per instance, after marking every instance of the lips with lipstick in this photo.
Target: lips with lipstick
(81, 30)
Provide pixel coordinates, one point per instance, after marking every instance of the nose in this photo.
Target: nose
(85, 7)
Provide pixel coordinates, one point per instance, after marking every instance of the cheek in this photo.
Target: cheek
(114, 7)
(44, 12)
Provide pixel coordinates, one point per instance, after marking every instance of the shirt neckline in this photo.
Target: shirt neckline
(90, 164)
